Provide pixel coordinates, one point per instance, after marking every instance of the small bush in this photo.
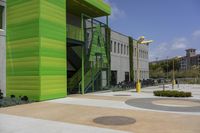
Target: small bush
(12, 96)
(24, 98)
(1, 95)
(172, 93)
(12, 101)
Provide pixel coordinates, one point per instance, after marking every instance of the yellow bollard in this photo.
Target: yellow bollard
(138, 87)
(174, 82)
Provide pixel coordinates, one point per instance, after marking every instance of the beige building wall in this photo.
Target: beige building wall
(3, 46)
(120, 57)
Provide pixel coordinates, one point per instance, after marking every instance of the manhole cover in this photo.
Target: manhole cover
(114, 120)
(121, 95)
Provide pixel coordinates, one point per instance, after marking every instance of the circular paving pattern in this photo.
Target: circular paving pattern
(122, 95)
(166, 104)
(176, 103)
(114, 120)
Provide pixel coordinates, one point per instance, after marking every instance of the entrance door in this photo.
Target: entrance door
(113, 77)
(126, 76)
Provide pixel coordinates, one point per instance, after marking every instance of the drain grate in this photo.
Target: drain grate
(114, 120)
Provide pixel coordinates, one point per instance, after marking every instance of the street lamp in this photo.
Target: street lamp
(167, 67)
(173, 77)
(140, 41)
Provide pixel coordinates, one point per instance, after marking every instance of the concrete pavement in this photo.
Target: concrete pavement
(76, 114)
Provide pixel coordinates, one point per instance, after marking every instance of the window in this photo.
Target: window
(121, 48)
(118, 48)
(142, 53)
(114, 47)
(124, 49)
(127, 50)
(147, 55)
(126, 76)
(111, 46)
(113, 77)
(139, 53)
(1, 17)
(135, 52)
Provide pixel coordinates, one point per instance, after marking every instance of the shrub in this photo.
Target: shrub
(172, 93)
(24, 98)
(12, 101)
(12, 96)
(1, 95)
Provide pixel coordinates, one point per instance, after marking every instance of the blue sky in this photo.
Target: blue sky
(174, 25)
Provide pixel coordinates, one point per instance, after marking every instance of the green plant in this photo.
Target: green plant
(24, 98)
(172, 93)
(12, 101)
(12, 96)
(1, 95)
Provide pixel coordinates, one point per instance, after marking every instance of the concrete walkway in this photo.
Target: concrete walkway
(16, 124)
(77, 114)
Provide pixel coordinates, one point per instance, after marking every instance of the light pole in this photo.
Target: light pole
(167, 67)
(173, 80)
(140, 41)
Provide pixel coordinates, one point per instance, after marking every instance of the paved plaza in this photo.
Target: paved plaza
(107, 112)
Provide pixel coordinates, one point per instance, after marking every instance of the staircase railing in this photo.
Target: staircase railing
(74, 80)
(88, 80)
(74, 32)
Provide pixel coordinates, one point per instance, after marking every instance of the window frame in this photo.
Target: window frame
(124, 49)
(118, 48)
(111, 46)
(121, 48)
(115, 50)
(1, 17)
(3, 26)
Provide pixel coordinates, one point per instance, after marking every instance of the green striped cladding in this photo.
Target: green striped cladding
(36, 48)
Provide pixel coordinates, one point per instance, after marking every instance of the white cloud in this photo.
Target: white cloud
(159, 51)
(175, 47)
(163, 47)
(196, 34)
(168, 49)
(179, 43)
(117, 13)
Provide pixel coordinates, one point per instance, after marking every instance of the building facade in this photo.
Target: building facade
(191, 59)
(186, 62)
(143, 61)
(120, 58)
(120, 70)
(3, 46)
(55, 48)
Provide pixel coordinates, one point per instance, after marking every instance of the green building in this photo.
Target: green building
(56, 47)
